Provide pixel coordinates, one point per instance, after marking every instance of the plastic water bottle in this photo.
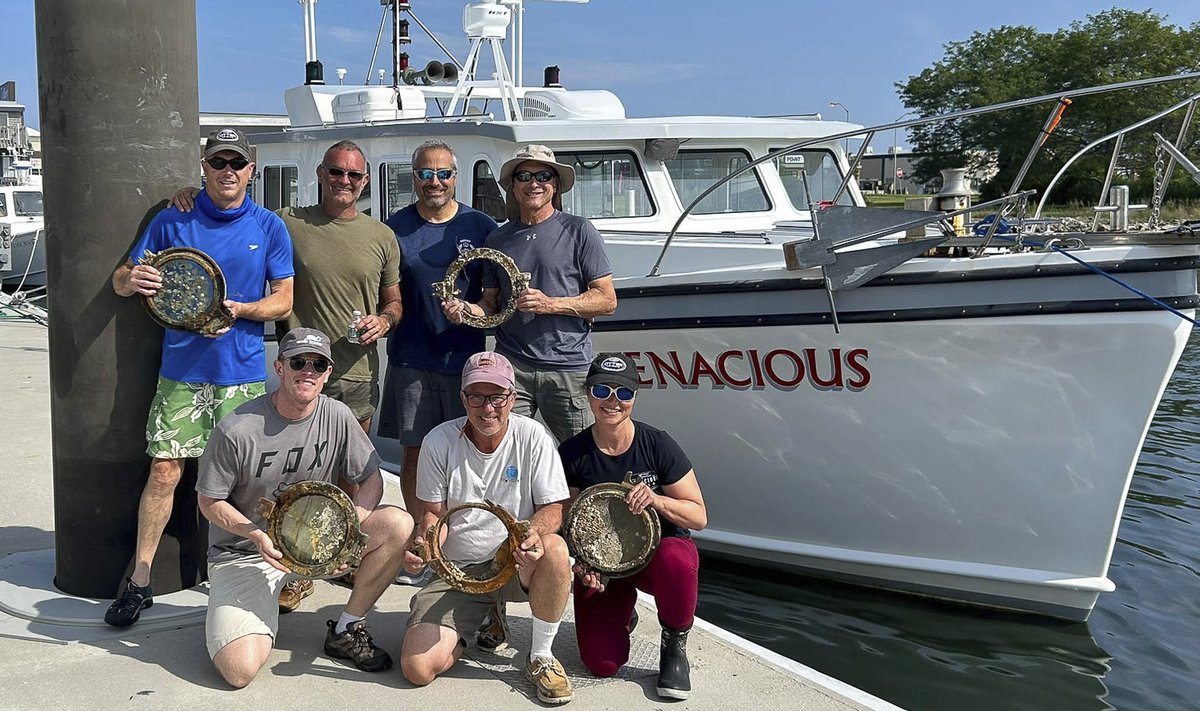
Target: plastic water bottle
(352, 330)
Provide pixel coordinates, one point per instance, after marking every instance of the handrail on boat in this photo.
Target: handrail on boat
(1119, 135)
(656, 269)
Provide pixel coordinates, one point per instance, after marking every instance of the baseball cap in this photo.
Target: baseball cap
(227, 139)
(614, 368)
(305, 340)
(488, 367)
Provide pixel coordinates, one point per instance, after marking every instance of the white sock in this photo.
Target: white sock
(543, 639)
(345, 621)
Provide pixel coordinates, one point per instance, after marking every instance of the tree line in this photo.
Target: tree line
(1015, 62)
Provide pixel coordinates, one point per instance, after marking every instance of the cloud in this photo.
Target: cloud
(348, 35)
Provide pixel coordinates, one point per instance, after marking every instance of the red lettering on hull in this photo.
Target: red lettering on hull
(780, 368)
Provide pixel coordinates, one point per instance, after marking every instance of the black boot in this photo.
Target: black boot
(674, 672)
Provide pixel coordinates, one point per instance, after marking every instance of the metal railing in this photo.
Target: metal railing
(1061, 99)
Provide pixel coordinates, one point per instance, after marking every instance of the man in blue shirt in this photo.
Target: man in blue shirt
(426, 353)
(202, 378)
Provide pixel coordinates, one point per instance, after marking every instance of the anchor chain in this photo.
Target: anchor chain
(1160, 170)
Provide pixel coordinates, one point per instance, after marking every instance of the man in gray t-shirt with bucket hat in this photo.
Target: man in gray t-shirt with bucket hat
(549, 339)
(292, 434)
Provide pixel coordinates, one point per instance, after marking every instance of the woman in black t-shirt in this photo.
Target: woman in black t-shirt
(614, 445)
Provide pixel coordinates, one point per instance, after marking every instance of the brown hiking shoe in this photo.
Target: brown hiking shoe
(356, 645)
(293, 593)
(492, 635)
(553, 686)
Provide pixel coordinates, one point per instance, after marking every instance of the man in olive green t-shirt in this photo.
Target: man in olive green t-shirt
(345, 262)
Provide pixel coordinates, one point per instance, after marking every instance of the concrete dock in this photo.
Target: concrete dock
(57, 653)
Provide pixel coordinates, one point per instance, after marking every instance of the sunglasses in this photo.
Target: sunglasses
(219, 163)
(339, 172)
(297, 363)
(443, 174)
(542, 176)
(603, 392)
(496, 401)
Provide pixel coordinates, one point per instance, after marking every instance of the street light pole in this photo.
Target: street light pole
(843, 107)
(896, 150)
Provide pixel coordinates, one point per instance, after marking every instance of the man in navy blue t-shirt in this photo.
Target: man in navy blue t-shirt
(426, 353)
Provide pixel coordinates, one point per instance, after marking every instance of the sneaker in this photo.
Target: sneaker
(492, 636)
(293, 593)
(356, 645)
(127, 608)
(553, 686)
(417, 580)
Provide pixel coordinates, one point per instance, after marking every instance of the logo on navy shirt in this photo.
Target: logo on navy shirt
(464, 246)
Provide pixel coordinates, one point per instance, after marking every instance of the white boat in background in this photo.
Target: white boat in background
(22, 236)
(956, 417)
(22, 225)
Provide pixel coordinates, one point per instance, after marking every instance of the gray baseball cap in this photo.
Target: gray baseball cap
(299, 341)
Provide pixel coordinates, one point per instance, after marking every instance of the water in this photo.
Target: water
(1139, 650)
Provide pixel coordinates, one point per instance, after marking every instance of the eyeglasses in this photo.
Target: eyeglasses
(297, 363)
(219, 163)
(542, 176)
(339, 172)
(603, 392)
(443, 174)
(496, 401)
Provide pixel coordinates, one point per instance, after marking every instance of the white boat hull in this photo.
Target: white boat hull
(980, 459)
(28, 257)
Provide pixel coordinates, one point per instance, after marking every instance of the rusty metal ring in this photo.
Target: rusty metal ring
(192, 294)
(503, 565)
(315, 526)
(447, 289)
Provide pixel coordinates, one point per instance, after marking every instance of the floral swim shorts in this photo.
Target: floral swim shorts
(183, 414)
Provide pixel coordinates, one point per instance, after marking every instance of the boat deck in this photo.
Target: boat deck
(57, 653)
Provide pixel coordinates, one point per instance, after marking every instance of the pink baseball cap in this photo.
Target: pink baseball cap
(488, 367)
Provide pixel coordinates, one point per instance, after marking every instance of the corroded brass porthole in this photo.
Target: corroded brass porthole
(192, 293)
(605, 536)
(503, 564)
(447, 289)
(315, 525)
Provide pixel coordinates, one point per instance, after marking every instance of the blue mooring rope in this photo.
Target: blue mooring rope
(1106, 275)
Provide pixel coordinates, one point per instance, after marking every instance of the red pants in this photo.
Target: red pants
(602, 618)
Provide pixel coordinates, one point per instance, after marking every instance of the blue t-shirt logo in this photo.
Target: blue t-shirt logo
(510, 474)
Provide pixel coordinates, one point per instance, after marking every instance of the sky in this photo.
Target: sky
(661, 57)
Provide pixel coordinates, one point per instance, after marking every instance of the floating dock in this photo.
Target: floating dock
(58, 654)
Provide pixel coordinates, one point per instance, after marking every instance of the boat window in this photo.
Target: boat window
(280, 185)
(397, 189)
(27, 203)
(485, 193)
(606, 185)
(3, 206)
(821, 169)
(693, 172)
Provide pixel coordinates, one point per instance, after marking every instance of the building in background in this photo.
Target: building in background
(20, 162)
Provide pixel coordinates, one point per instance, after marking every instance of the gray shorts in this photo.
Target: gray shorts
(243, 599)
(362, 397)
(416, 401)
(439, 604)
(559, 395)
